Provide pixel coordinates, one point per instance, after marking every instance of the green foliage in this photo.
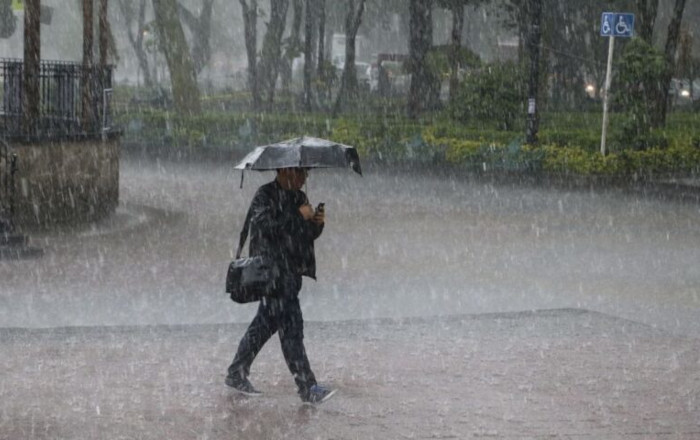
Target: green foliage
(495, 92)
(570, 146)
(640, 82)
(481, 155)
(439, 59)
(586, 139)
(652, 162)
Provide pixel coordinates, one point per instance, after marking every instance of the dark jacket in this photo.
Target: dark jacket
(279, 232)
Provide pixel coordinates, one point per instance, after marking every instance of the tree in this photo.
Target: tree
(200, 27)
(646, 18)
(250, 24)
(88, 118)
(272, 48)
(292, 45)
(647, 73)
(106, 40)
(421, 38)
(349, 86)
(177, 55)
(321, 36)
(483, 97)
(570, 54)
(686, 64)
(310, 6)
(517, 18)
(533, 43)
(641, 64)
(457, 28)
(32, 66)
(325, 71)
(136, 39)
(457, 8)
(672, 39)
(8, 21)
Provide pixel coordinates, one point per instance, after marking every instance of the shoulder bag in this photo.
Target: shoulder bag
(249, 279)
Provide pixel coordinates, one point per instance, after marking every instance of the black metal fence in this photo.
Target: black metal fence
(63, 87)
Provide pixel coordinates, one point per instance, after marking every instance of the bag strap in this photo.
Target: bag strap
(244, 233)
(246, 223)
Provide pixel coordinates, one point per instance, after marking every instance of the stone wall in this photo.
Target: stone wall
(67, 182)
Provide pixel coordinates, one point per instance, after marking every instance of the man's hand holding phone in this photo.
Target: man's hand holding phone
(320, 214)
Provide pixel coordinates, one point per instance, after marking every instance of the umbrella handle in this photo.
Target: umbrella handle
(242, 173)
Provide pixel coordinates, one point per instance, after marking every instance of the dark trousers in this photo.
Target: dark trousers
(282, 314)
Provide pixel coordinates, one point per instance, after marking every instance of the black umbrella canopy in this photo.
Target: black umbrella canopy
(303, 152)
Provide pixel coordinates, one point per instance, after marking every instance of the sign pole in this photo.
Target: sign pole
(606, 94)
(613, 24)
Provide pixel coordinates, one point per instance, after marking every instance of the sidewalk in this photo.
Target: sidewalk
(549, 374)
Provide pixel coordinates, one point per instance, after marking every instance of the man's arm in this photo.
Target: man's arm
(274, 222)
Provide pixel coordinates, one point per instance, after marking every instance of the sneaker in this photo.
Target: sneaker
(243, 386)
(317, 394)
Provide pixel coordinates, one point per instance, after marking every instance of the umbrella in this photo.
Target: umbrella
(303, 152)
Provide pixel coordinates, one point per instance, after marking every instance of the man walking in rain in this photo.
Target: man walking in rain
(283, 227)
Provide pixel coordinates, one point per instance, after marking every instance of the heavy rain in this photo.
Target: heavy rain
(507, 265)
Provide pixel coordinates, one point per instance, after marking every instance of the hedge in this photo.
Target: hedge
(394, 138)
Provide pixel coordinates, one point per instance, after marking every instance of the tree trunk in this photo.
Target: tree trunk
(647, 18)
(672, 39)
(325, 90)
(88, 64)
(421, 37)
(685, 60)
(457, 29)
(101, 74)
(8, 23)
(272, 48)
(32, 66)
(103, 34)
(533, 40)
(308, 52)
(201, 32)
(293, 47)
(177, 56)
(136, 41)
(250, 23)
(522, 29)
(321, 58)
(348, 85)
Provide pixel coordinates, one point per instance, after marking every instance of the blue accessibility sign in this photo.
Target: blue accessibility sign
(615, 24)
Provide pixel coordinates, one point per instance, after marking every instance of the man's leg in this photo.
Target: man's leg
(258, 333)
(291, 333)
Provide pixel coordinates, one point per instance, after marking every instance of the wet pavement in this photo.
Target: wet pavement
(397, 244)
(548, 374)
(446, 307)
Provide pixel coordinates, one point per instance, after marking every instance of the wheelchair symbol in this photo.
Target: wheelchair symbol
(615, 24)
(621, 26)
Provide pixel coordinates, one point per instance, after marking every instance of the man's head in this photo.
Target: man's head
(292, 178)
